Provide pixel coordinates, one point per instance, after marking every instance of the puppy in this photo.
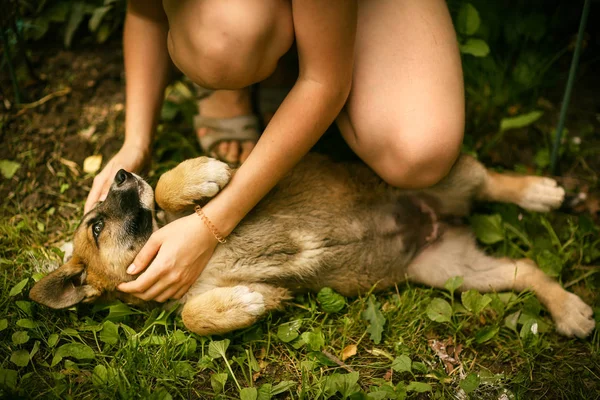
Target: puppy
(325, 224)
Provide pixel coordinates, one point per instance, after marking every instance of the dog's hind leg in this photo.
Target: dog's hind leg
(224, 309)
(533, 193)
(469, 180)
(192, 182)
(456, 254)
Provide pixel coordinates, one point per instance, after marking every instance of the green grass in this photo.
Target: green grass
(502, 345)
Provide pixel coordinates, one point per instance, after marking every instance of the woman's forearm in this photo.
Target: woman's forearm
(296, 126)
(147, 66)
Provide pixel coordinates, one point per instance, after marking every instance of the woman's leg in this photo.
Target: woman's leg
(228, 44)
(405, 113)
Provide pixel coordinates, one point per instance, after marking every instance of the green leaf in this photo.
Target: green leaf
(474, 47)
(402, 364)
(52, 340)
(97, 16)
(520, 121)
(20, 337)
(36, 348)
(475, 301)
(264, 392)
(20, 358)
(217, 381)
(18, 288)
(79, 351)
(549, 262)
(118, 311)
(288, 331)
(184, 369)
(419, 387)
(542, 158)
(58, 12)
(217, 349)
(282, 386)
(467, 21)
(470, 383)
(345, 384)
(248, 394)
(439, 310)
(314, 340)
(330, 301)
(160, 394)
(489, 229)
(511, 320)
(109, 333)
(100, 376)
(25, 306)
(486, 333)
(9, 168)
(375, 317)
(27, 323)
(453, 283)
(3, 324)
(8, 378)
(103, 33)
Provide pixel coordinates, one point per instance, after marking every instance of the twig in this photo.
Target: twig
(337, 361)
(26, 106)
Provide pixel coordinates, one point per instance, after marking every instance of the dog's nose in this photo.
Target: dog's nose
(121, 177)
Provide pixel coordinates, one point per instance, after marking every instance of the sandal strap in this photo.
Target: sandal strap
(241, 128)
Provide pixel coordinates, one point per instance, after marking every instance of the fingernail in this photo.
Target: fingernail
(130, 269)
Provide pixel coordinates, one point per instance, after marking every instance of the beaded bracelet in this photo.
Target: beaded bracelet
(209, 225)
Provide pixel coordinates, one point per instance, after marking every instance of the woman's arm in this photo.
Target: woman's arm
(325, 32)
(147, 66)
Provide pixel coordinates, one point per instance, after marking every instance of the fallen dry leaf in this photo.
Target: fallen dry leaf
(349, 351)
(92, 164)
(72, 165)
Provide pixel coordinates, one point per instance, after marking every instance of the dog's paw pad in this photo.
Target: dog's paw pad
(253, 302)
(542, 195)
(576, 318)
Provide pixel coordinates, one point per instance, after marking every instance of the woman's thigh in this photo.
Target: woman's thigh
(405, 113)
(228, 44)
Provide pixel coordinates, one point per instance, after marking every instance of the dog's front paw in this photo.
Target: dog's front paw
(542, 195)
(203, 177)
(191, 181)
(575, 318)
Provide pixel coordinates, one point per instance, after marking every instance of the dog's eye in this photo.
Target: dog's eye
(97, 228)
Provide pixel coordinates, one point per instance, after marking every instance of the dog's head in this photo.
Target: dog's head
(105, 244)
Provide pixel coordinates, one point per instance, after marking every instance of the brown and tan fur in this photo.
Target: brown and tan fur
(325, 224)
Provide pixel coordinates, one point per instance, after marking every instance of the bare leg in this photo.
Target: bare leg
(228, 45)
(457, 255)
(405, 113)
(225, 309)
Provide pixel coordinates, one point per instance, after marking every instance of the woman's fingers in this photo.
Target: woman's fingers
(146, 254)
(97, 192)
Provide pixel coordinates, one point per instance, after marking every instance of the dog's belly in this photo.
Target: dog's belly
(340, 228)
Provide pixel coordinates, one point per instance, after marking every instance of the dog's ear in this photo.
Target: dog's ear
(64, 287)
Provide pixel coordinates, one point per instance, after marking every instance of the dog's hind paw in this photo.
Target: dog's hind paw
(576, 319)
(542, 195)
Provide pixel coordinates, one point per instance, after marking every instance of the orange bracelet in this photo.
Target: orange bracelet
(209, 225)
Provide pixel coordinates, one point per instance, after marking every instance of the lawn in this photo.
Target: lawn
(410, 342)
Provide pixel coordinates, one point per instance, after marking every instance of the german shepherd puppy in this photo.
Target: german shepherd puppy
(325, 224)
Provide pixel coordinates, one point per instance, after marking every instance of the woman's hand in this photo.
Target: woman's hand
(130, 158)
(180, 251)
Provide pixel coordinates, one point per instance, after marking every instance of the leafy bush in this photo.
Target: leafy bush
(64, 18)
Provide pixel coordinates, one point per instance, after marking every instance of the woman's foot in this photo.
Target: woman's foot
(230, 110)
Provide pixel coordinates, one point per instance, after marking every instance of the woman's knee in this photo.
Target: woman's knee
(227, 45)
(420, 159)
